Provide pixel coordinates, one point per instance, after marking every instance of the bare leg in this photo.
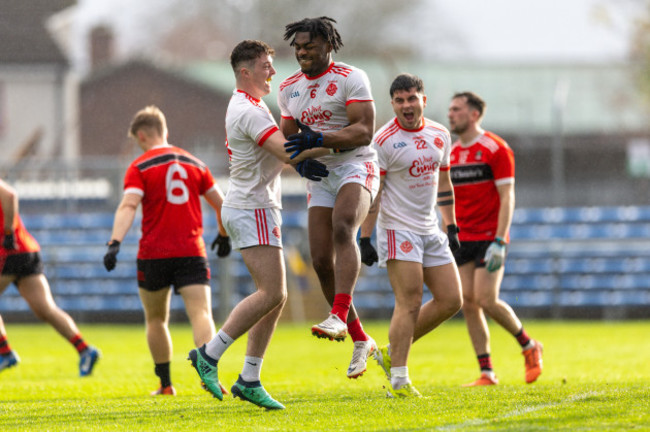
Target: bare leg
(444, 284)
(156, 314)
(486, 289)
(198, 305)
(406, 279)
(36, 292)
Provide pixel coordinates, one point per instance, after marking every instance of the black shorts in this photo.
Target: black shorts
(472, 251)
(156, 274)
(22, 265)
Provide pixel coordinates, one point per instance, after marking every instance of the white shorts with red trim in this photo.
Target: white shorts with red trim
(323, 193)
(431, 250)
(252, 227)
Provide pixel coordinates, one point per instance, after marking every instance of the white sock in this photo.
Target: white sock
(218, 345)
(399, 376)
(529, 345)
(252, 369)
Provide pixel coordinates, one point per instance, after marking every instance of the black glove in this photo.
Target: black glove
(222, 243)
(452, 235)
(312, 169)
(302, 141)
(9, 242)
(110, 259)
(368, 252)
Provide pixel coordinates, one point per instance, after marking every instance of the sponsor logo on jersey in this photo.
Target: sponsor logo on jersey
(406, 246)
(315, 114)
(478, 155)
(423, 165)
(294, 94)
(276, 232)
(400, 144)
(438, 142)
(465, 174)
(331, 88)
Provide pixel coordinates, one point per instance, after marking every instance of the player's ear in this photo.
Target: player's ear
(424, 100)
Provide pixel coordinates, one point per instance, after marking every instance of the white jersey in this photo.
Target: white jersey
(320, 102)
(254, 172)
(411, 161)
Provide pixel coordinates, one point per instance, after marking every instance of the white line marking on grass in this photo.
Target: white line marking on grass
(518, 412)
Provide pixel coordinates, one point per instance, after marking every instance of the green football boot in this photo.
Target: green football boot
(206, 367)
(254, 393)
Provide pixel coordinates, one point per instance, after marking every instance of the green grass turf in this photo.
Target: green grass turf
(596, 377)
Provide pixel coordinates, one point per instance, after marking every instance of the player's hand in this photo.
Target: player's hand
(110, 259)
(368, 252)
(495, 255)
(304, 140)
(222, 244)
(311, 169)
(9, 242)
(452, 235)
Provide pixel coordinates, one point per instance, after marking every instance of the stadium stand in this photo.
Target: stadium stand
(582, 261)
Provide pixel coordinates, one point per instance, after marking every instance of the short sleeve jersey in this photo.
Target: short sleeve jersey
(170, 181)
(411, 161)
(254, 172)
(24, 240)
(476, 171)
(320, 102)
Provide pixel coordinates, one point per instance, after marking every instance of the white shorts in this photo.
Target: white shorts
(431, 250)
(323, 193)
(252, 227)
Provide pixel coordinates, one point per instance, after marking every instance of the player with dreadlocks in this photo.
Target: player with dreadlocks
(329, 104)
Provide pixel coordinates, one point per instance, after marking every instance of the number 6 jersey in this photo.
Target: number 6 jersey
(170, 181)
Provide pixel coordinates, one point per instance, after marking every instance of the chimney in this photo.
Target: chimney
(101, 47)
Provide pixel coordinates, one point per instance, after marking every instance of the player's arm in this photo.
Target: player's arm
(125, 215)
(446, 198)
(446, 206)
(506, 208)
(9, 203)
(361, 116)
(214, 197)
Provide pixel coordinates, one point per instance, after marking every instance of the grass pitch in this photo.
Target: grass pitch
(596, 377)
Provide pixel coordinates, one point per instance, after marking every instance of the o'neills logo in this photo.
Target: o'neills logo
(423, 165)
(276, 232)
(315, 114)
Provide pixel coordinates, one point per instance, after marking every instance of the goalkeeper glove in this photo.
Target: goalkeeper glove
(452, 235)
(110, 259)
(368, 252)
(222, 244)
(495, 255)
(304, 140)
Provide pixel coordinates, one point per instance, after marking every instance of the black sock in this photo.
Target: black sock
(162, 371)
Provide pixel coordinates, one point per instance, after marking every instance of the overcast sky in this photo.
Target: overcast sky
(498, 30)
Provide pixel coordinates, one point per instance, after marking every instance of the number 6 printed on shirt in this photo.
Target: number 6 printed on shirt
(173, 185)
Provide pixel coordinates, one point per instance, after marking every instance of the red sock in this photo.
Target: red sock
(78, 342)
(355, 329)
(4, 345)
(522, 337)
(341, 306)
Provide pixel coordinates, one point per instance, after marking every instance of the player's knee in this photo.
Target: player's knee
(343, 231)
(453, 305)
(486, 303)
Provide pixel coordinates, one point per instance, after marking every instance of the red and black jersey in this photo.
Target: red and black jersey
(476, 171)
(170, 181)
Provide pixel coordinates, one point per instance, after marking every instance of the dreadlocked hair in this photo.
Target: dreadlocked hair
(315, 27)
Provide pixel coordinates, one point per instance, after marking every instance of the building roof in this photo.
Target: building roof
(23, 35)
(521, 98)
